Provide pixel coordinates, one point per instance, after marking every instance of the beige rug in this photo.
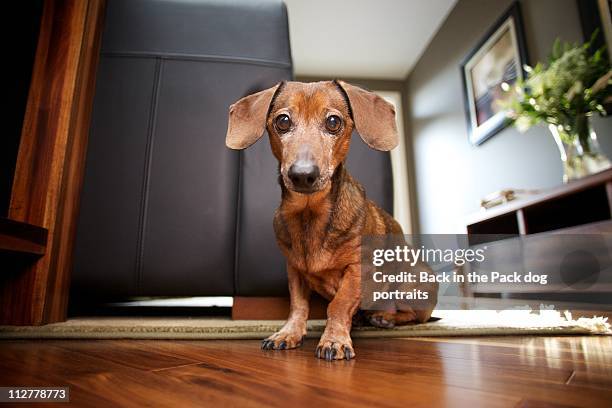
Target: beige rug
(451, 323)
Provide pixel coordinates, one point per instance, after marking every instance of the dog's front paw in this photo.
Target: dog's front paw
(336, 347)
(282, 340)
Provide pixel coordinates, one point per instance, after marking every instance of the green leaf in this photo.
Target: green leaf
(556, 50)
(575, 82)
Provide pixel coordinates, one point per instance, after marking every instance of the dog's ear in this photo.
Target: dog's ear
(247, 119)
(373, 116)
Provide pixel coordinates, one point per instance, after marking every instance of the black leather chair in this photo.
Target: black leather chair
(166, 208)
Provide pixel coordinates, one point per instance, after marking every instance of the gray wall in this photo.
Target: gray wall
(451, 175)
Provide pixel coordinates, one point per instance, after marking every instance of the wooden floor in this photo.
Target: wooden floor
(468, 372)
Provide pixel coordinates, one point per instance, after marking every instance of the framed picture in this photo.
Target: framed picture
(596, 15)
(491, 68)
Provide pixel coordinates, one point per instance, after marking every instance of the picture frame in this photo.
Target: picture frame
(491, 67)
(596, 16)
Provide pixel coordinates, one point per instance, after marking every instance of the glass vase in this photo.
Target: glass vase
(579, 149)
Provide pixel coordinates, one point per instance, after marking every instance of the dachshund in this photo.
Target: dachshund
(324, 212)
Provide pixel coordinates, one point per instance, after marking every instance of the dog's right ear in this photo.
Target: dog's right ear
(247, 119)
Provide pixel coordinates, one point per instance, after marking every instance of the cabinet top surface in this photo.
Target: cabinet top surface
(546, 195)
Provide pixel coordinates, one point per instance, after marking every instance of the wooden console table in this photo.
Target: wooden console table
(580, 207)
(576, 204)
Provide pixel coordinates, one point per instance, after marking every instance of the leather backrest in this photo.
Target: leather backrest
(160, 195)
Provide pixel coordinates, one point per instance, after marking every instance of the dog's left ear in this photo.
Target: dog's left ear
(373, 116)
(247, 119)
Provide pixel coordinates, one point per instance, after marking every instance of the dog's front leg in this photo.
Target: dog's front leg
(292, 333)
(336, 343)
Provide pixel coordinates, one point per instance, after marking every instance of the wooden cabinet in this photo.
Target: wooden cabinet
(578, 208)
(580, 203)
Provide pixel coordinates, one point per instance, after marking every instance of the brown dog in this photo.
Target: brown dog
(324, 212)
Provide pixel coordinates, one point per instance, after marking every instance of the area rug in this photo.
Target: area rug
(450, 323)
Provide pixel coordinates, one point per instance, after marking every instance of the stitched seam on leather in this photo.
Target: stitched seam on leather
(237, 218)
(147, 172)
(199, 57)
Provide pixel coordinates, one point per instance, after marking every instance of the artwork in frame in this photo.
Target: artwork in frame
(489, 70)
(596, 18)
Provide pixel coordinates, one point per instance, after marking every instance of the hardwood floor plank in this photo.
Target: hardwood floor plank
(555, 350)
(148, 389)
(591, 380)
(123, 353)
(44, 363)
(530, 403)
(345, 382)
(490, 372)
(502, 381)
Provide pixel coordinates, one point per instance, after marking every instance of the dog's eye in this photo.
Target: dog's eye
(282, 123)
(333, 123)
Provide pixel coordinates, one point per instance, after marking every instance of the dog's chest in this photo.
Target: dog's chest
(311, 247)
(304, 243)
(319, 267)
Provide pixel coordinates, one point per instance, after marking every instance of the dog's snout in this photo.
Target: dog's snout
(303, 175)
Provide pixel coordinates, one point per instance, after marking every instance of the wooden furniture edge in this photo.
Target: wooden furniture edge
(50, 162)
(20, 237)
(602, 178)
(272, 308)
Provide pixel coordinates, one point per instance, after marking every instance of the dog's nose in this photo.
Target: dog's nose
(303, 175)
